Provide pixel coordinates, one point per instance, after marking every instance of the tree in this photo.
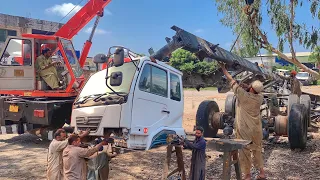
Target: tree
(315, 55)
(187, 62)
(246, 21)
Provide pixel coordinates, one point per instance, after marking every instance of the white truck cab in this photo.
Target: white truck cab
(143, 104)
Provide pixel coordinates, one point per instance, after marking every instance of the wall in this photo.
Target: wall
(25, 25)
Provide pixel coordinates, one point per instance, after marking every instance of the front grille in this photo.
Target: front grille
(91, 122)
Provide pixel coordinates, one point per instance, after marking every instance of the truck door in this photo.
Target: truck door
(149, 108)
(16, 68)
(175, 102)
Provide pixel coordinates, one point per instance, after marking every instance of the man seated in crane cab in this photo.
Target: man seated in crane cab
(46, 69)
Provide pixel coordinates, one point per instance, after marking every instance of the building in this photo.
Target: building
(272, 60)
(16, 25)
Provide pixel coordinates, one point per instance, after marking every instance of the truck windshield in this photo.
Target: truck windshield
(72, 58)
(302, 74)
(96, 83)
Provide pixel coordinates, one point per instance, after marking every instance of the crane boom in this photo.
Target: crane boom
(82, 18)
(204, 49)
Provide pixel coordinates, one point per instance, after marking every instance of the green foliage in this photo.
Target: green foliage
(278, 18)
(288, 67)
(187, 62)
(234, 18)
(315, 55)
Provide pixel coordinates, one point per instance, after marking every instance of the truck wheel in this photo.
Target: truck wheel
(230, 105)
(205, 113)
(306, 101)
(293, 99)
(297, 132)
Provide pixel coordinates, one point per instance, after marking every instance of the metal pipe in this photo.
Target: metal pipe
(94, 28)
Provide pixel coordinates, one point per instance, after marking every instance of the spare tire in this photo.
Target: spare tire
(306, 100)
(204, 116)
(297, 132)
(230, 105)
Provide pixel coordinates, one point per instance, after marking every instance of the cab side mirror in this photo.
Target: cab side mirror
(118, 57)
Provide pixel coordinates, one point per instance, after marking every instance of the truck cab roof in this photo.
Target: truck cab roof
(163, 64)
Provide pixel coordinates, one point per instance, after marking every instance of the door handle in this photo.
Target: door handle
(166, 111)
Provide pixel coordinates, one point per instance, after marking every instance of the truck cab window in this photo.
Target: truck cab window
(17, 53)
(154, 80)
(145, 79)
(175, 90)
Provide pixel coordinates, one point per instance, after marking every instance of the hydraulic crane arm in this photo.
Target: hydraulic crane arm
(82, 18)
(79, 20)
(204, 49)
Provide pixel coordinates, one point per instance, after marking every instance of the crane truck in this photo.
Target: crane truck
(25, 98)
(140, 99)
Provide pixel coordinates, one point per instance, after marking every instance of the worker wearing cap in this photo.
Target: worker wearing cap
(248, 124)
(294, 82)
(46, 70)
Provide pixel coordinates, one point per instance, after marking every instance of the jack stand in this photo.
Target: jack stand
(230, 148)
(180, 169)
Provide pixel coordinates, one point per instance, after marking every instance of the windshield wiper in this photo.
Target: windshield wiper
(86, 98)
(99, 96)
(108, 93)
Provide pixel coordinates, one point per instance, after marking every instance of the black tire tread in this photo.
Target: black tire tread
(230, 105)
(203, 115)
(297, 133)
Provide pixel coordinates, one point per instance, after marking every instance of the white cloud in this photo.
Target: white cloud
(98, 31)
(65, 8)
(198, 30)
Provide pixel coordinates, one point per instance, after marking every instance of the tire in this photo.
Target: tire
(297, 132)
(293, 99)
(203, 117)
(306, 101)
(230, 105)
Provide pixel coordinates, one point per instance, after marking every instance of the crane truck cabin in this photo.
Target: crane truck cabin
(24, 96)
(140, 101)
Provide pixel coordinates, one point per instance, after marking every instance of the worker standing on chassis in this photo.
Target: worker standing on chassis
(56, 147)
(46, 70)
(248, 124)
(294, 82)
(198, 159)
(74, 163)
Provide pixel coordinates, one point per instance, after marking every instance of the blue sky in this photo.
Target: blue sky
(141, 24)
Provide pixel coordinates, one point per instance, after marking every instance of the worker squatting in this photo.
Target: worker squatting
(67, 159)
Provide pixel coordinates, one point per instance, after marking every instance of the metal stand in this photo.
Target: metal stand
(230, 148)
(178, 150)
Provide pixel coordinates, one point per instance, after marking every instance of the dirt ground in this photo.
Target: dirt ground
(25, 158)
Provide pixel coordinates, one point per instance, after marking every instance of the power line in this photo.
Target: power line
(65, 16)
